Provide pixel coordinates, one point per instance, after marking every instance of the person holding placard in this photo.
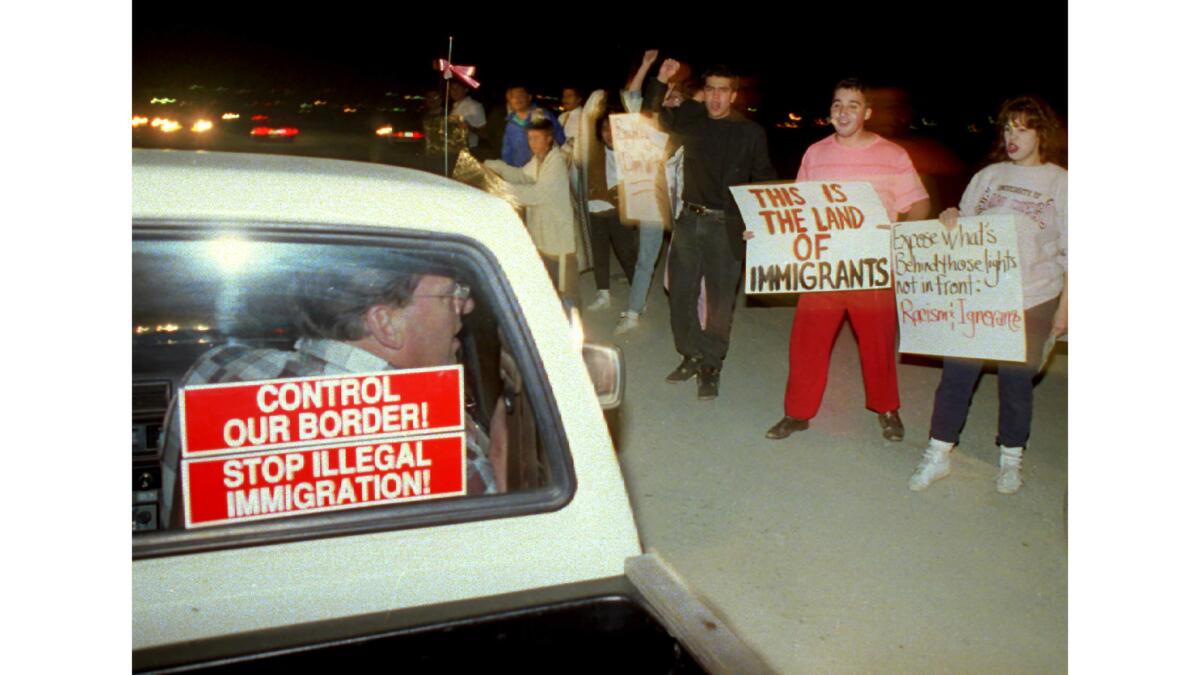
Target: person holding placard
(851, 153)
(606, 223)
(721, 148)
(1027, 182)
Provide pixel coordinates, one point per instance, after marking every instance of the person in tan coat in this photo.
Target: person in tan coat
(542, 186)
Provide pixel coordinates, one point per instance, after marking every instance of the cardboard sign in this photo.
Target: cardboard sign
(958, 292)
(298, 481)
(811, 237)
(241, 417)
(641, 150)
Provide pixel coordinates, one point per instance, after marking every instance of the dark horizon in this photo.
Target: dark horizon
(790, 61)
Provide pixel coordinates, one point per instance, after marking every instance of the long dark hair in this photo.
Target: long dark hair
(1032, 112)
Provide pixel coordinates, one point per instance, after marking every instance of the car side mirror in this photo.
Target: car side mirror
(605, 364)
(607, 368)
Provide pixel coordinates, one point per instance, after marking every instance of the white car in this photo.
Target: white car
(532, 575)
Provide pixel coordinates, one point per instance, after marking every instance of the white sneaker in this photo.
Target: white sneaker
(602, 301)
(629, 321)
(1008, 481)
(935, 465)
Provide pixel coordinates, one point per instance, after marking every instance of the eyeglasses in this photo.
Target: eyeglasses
(461, 294)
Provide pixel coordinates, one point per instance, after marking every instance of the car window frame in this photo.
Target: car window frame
(510, 321)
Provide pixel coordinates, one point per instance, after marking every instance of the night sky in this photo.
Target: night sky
(950, 61)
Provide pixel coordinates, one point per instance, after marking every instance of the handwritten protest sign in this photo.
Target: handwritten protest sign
(291, 482)
(814, 236)
(958, 292)
(641, 150)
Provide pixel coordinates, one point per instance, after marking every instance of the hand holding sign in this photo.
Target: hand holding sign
(814, 236)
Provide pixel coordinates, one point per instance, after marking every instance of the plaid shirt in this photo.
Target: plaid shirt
(239, 363)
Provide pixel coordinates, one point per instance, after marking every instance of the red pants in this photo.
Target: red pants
(818, 317)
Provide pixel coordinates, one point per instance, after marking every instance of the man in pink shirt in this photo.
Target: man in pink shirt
(852, 154)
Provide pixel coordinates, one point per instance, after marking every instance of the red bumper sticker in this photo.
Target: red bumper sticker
(235, 418)
(299, 481)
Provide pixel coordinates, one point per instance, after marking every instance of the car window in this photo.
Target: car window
(288, 387)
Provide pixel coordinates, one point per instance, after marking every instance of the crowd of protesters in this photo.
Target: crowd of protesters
(562, 169)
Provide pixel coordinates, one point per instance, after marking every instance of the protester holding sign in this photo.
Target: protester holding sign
(1026, 182)
(851, 153)
(721, 148)
(606, 224)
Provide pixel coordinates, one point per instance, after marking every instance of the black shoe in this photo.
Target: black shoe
(709, 382)
(893, 428)
(786, 427)
(685, 371)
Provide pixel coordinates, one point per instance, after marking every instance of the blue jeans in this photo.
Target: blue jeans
(959, 376)
(650, 239)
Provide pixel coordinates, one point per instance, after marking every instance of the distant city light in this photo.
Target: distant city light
(320, 103)
(161, 101)
(383, 131)
(139, 121)
(169, 126)
(202, 126)
(349, 109)
(794, 117)
(166, 328)
(230, 116)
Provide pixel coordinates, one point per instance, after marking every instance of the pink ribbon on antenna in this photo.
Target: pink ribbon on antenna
(463, 73)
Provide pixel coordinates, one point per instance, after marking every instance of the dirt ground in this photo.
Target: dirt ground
(813, 548)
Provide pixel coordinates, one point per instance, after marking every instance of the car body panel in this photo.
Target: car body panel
(198, 595)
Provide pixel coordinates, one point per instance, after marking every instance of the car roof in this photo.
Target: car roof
(280, 190)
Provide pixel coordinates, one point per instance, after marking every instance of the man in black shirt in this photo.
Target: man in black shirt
(720, 148)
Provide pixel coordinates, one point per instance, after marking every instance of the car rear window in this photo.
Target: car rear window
(295, 386)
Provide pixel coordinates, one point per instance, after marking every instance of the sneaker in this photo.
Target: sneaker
(786, 427)
(708, 384)
(685, 371)
(629, 321)
(935, 465)
(893, 428)
(1008, 481)
(602, 301)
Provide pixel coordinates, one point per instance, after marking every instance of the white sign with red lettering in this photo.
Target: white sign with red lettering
(641, 152)
(316, 479)
(814, 236)
(244, 416)
(958, 292)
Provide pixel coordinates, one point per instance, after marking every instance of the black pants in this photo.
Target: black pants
(607, 227)
(953, 397)
(700, 248)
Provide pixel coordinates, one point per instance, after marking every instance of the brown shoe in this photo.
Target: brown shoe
(893, 428)
(786, 427)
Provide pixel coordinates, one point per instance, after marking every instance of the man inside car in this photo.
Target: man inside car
(359, 320)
